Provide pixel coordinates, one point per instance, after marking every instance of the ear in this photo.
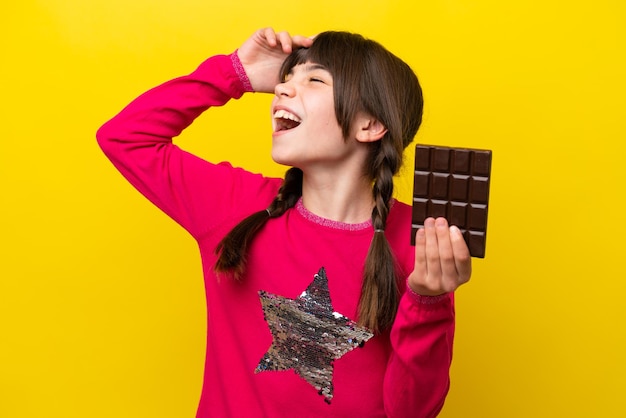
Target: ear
(369, 129)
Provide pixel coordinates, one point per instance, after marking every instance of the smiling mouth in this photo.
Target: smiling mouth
(285, 120)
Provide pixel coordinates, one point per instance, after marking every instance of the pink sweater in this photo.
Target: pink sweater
(403, 372)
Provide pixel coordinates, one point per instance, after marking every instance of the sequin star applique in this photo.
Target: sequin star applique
(308, 336)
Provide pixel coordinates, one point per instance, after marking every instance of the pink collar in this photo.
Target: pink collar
(310, 216)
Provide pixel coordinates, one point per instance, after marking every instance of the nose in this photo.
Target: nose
(285, 89)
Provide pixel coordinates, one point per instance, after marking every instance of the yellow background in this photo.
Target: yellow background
(101, 298)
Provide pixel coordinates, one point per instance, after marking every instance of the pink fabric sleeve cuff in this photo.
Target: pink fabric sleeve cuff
(241, 73)
(424, 300)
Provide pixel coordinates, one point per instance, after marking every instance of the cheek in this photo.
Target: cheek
(328, 116)
(272, 121)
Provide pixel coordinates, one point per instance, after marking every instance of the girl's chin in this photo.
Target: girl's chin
(281, 159)
(284, 160)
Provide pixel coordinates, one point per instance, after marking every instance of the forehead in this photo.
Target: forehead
(305, 56)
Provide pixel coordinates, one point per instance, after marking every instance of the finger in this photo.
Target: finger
(433, 265)
(446, 255)
(420, 254)
(462, 258)
(302, 41)
(285, 41)
(270, 36)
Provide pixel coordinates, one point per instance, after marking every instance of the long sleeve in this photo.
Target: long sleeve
(138, 141)
(417, 377)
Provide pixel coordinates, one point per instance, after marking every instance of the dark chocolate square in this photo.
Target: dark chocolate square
(453, 183)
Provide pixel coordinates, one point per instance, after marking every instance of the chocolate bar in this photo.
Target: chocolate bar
(453, 183)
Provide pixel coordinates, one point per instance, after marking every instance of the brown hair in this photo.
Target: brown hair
(366, 78)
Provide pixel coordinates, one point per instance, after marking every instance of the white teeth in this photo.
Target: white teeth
(283, 114)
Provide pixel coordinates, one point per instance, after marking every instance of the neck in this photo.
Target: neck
(339, 198)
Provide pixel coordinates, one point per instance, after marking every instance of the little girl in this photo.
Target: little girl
(318, 306)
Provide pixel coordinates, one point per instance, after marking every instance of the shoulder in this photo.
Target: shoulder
(243, 188)
(400, 209)
(225, 195)
(399, 223)
(399, 216)
(399, 232)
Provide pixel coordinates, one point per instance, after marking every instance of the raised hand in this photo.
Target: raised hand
(263, 54)
(442, 259)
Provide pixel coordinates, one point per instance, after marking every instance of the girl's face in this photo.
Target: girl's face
(306, 133)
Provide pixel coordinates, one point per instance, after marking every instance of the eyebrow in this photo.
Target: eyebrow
(313, 67)
(308, 67)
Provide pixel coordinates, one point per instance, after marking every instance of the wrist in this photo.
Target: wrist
(241, 72)
(424, 299)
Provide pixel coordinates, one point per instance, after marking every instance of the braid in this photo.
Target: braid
(232, 250)
(379, 294)
(288, 194)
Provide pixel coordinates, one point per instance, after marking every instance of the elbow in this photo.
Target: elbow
(105, 138)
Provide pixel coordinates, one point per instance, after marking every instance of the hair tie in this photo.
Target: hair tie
(268, 212)
(379, 230)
